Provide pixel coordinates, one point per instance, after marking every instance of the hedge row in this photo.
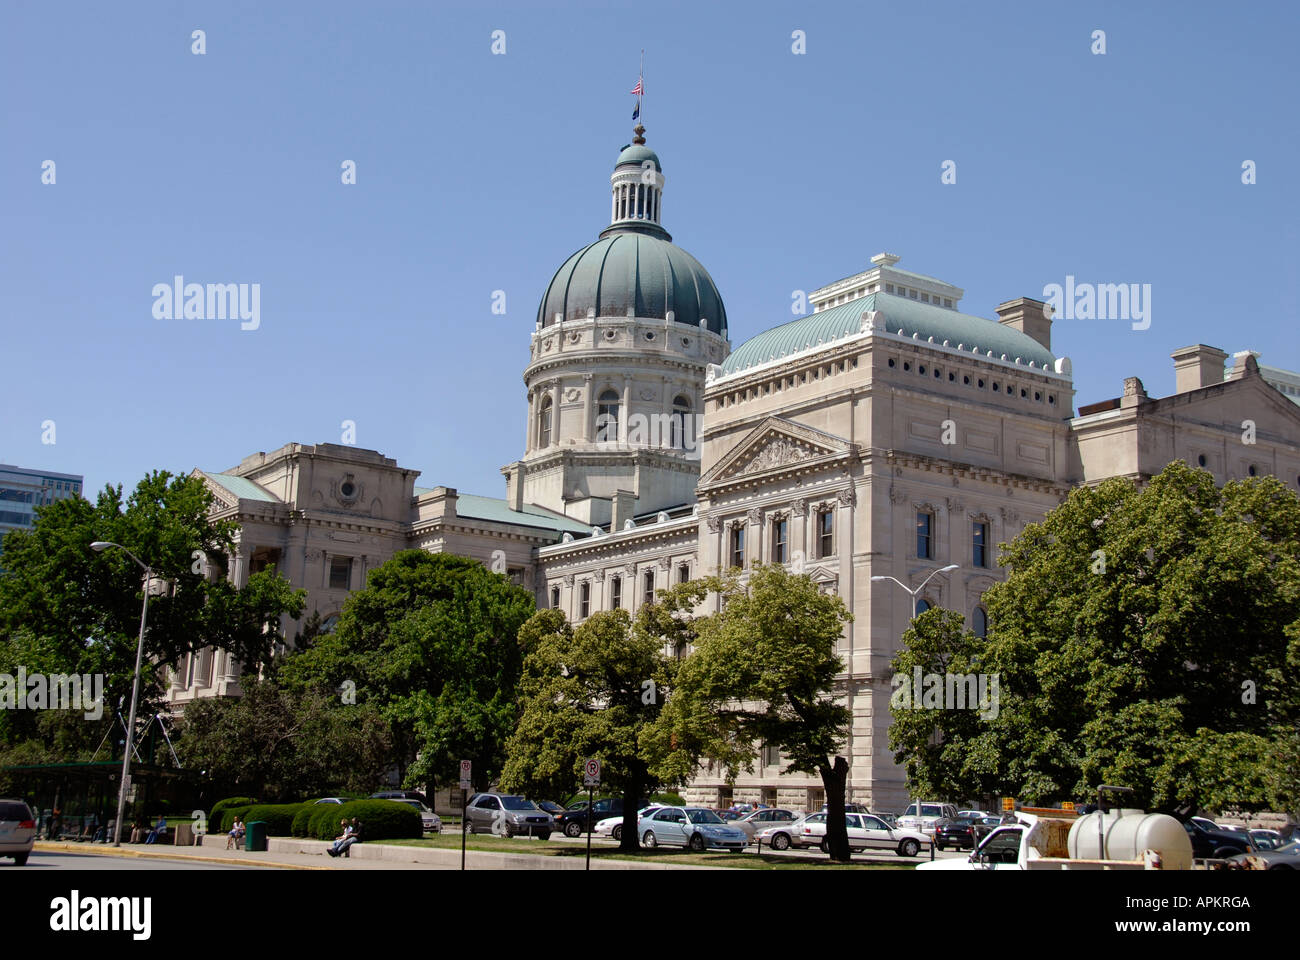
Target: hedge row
(380, 819)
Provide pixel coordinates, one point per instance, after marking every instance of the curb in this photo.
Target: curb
(190, 858)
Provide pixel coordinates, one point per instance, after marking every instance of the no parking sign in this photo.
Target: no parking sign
(591, 773)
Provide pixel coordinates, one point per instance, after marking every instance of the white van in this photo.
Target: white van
(922, 815)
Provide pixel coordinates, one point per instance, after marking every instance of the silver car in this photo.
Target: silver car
(432, 822)
(694, 827)
(17, 830)
(758, 820)
(508, 816)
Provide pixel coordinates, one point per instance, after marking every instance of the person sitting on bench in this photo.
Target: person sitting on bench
(236, 834)
(159, 831)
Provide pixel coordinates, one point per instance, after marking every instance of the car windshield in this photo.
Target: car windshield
(931, 810)
(697, 815)
(517, 803)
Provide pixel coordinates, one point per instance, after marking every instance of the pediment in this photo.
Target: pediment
(774, 446)
(222, 499)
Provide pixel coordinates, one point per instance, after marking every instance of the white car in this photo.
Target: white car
(612, 827)
(17, 830)
(432, 822)
(923, 816)
(866, 832)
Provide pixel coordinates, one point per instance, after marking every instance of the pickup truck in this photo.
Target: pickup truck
(1135, 841)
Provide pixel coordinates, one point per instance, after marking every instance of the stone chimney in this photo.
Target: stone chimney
(1197, 366)
(624, 502)
(444, 502)
(1030, 317)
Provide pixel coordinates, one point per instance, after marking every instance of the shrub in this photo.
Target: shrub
(671, 799)
(301, 826)
(217, 821)
(278, 817)
(380, 820)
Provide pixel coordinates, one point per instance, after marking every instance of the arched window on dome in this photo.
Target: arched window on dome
(980, 623)
(677, 426)
(544, 420)
(607, 412)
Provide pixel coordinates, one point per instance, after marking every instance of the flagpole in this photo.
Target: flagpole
(641, 79)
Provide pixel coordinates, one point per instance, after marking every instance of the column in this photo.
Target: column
(666, 408)
(626, 410)
(585, 433)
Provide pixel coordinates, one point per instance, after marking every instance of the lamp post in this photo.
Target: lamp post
(915, 593)
(99, 546)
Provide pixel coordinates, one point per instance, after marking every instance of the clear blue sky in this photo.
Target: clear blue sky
(478, 172)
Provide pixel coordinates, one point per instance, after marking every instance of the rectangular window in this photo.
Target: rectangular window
(738, 546)
(555, 598)
(771, 755)
(648, 595)
(683, 572)
(979, 543)
(826, 532)
(924, 538)
(780, 540)
(925, 298)
(340, 573)
(585, 608)
(615, 592)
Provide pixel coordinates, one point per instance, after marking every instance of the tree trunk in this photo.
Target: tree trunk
(834, 779)
(629, 842)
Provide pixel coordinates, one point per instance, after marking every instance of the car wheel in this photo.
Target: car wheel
(1223, 853)
(543, 834)
(781, 841)
(938, 846)
(648, 841)
(1281, 866)
(617, 832)
(825, 845)
(573, 829)
(909, 848)
(697, 843)
(20, 859)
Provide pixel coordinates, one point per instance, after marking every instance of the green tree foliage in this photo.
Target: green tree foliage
(1145, 637)
(66, 609)
(283, 745)
(432, 643)
(595, 691)
(763, 671)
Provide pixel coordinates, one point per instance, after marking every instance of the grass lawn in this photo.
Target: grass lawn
(747, 860)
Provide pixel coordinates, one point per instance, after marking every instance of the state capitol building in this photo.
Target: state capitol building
(886, 433)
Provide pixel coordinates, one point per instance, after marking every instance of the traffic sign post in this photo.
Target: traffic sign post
(466, 782)
(590, 780)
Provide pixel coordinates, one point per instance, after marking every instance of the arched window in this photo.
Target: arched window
(922, 605)
(544, 418)
(607, 416)
(980, 622)
(678, 438)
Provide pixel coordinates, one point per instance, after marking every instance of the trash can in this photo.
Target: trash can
(255, 835)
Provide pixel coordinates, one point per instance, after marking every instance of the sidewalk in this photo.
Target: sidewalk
(293, 854)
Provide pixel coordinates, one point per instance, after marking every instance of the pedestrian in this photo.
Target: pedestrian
(341, 838)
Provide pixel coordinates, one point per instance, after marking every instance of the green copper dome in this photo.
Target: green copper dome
(919, 320)
(638, 155)
(627, 269)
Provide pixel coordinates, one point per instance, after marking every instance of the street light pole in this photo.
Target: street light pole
(98, 546)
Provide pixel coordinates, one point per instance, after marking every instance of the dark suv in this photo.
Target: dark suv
(1216, 844)
(578, 818)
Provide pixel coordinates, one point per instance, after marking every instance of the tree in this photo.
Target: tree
(1146, 637)
(763, 671)
(66, 609)
(596, 691)
(432, 642)
(280, 746)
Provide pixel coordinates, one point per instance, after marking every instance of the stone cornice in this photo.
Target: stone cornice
(971, 471)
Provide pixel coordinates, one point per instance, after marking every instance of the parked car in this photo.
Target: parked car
(332, 800)
(550, 806)
(958, 832)
(694, 827)
(400, 795)
(782, 836)
(849, 808)
(974, 814)
(1217, 843)
(578, 818)
(752, 823)
(1285, 857)
(17, 830)
(507, 815)
(865, 833)
(982, 827)
(1266, 839)
(612, 827)
(921, 816)
(432, 822)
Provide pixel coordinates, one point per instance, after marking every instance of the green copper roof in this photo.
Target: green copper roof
(242, 487)
(629, 270)
(638, 155)
(911, 316)
(473, 507)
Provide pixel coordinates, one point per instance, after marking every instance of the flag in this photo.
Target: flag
(639, 88)
(636, 111)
